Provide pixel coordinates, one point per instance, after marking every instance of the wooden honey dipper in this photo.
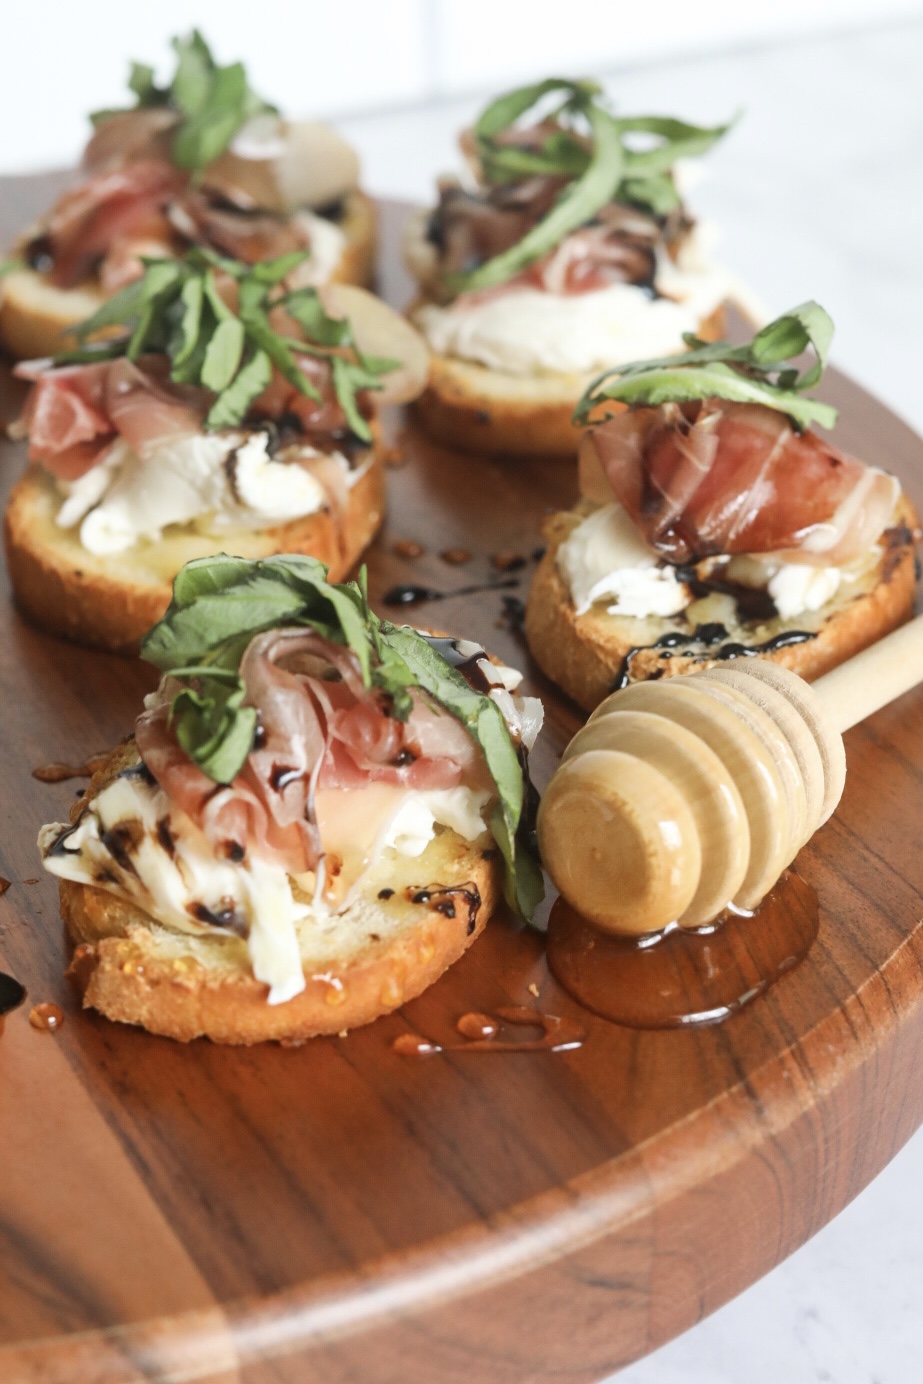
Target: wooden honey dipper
(682, 798)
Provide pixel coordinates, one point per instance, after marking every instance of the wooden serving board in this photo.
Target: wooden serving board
(336, 1212)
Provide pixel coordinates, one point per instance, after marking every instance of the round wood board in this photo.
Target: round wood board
(336, 1212)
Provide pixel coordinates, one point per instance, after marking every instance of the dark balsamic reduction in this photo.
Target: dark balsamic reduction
(409, 594)
(12, 993)
(709, 635)
(227, 918)
(444, 898)
(466, 664)
(281, 775)
(683, 976)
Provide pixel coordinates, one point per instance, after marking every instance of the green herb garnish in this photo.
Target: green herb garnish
(588, 145)
(8, 266)
(212, 103)
(220, 603)
(176, 310)
(759, 373)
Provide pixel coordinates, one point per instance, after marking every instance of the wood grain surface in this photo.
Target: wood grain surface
(336, 1213)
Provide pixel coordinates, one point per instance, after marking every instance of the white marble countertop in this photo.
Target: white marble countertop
(819, 194)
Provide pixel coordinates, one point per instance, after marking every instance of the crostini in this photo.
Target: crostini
(568, 251)
(232, 413)
(715, 524)
(202, 162)
(316, 815)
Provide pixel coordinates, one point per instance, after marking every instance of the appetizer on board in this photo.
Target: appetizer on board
(316, 815)
(232, 413)
(201, 162)
(715, 523)
(567, 250)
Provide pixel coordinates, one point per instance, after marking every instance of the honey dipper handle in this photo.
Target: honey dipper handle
(875, 677)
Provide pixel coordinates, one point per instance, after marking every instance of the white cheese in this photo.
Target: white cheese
(174, 872)
(223, 479)
(528, 331)
(327, 243)
(605, 558)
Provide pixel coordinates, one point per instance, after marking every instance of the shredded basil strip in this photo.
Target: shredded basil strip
(176, 310)
(213, 102)
(602, 166)
(221, 603)
(578, 203)
(762, 372)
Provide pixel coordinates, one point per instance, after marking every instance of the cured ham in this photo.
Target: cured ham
(107, 212)
(717, 477)
(145, 206)
(320, 729)
(618, 246)
(74, 412)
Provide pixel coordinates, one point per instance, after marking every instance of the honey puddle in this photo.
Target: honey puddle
(683, 975)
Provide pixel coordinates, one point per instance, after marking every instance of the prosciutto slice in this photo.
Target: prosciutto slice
(128, 204)
(722, 478)
(320, 728)
(73, 413)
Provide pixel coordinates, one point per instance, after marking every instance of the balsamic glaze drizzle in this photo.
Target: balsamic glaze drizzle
(408, 595)
(711, 636)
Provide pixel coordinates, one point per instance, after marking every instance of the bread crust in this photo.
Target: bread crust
(110, 602)
(132, 970)
(478, 409)
(584, 654)
(35, 315)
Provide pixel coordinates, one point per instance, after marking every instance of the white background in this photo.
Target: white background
(818, 193)
(337, 57)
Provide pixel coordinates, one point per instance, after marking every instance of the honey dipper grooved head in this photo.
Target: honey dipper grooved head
(740, 761)
(619, 840)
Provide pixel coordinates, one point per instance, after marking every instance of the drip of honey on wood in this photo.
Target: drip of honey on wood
(482, 1034)
(47, 1017)
(683, 975)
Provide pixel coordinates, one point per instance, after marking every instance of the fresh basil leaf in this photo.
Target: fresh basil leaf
(233, 403)
(191, 85)
(756, 373)
(273, 271)
(578, 203)
(505, 110)
(214, 299)
(718, 381)
(483, 720)
(9, 266)
(223, 354)
(657, 194)
(261, 332)
(679, 141)
(214, 727)
(119, 310)
(209, 131)
(187, 337)
(790, 335)
(348, 380)
(141, 82)
(304, 305)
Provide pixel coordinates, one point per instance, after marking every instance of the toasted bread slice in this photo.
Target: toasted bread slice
(587, 655)
(478, 409)
(365, 962)
(35, 315)
(109, 602)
